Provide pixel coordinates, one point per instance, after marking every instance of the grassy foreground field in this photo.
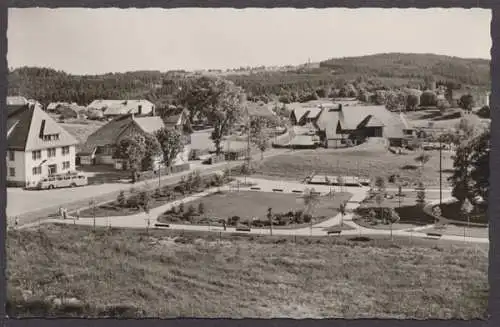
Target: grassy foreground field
(364, 163)
(131, 273)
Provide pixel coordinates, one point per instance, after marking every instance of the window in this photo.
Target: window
(51, 152)
(12, 172)
(66, 165)
(51, 137)
(65, 150)
(12, 155)
(36, 154)
(37, 170)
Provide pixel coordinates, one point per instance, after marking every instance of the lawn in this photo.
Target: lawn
(248, 204)
(357, 163)
(128, 273)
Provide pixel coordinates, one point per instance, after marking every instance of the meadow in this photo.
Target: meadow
(161, 273)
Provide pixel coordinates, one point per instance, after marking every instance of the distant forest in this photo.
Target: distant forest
(374, 72)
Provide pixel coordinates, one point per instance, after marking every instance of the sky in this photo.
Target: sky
(95, 41)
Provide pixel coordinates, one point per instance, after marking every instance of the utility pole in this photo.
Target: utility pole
(440, 171)
(248, 143)
(159, 176)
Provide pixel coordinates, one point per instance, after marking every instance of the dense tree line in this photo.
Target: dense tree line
(48, 85)
(335, 77)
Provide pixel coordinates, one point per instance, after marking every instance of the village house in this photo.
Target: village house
(37, 146)
(339, 126)
(99, 149)
(53, 106)
(115, 108)
(74, 111)
(16, 101)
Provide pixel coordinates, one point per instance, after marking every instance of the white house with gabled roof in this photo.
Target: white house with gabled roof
(37, 146)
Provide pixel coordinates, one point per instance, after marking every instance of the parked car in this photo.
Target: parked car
(63, 180)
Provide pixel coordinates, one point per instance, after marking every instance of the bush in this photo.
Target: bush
(393, 178)
(144, 198)
(121, 200)
(191, 211)
(181, 208)
(484, 112)
(196, 181)
(158, 193)
(234, 220)
(133, 201)
(307, 218)
(201, 208)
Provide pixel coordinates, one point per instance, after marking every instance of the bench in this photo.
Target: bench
(277, 190)
(434, 235)
(296, 191)
(255, 188)
(334, 232)
(162, 225)
(242, 229)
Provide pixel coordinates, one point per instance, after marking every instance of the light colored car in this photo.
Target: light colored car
(63, 180)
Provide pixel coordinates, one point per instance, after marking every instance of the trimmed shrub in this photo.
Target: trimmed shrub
(121, 200)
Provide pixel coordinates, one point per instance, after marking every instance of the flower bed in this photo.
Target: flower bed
(138, 200)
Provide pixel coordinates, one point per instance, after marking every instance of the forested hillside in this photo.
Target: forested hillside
(382, 71)
(396, 65)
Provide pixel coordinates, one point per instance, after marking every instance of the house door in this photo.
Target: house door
(52, 169)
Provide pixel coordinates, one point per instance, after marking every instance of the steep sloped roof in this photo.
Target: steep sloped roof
(149, 124)
(328, 121)
(118, 107)
(353, 117)
(110, 133)
(259, 109)
(27, 124)
(374, 122)
(172, 114)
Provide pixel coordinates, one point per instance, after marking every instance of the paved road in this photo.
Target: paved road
(30, 206)
(142, 220)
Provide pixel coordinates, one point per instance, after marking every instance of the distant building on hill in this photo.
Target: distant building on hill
(16, 101)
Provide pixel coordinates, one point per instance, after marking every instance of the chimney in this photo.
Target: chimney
(139, 110)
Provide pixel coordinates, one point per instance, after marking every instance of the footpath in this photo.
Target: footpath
(143, 220)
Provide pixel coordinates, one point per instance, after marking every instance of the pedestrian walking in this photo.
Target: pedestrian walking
(77, 214)
(65, 213)
(224, 225)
